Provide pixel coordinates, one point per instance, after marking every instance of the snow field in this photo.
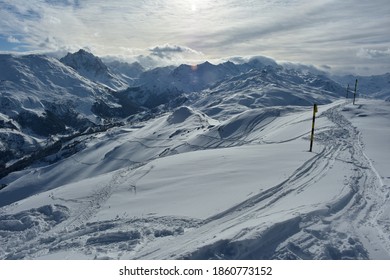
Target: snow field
(185, 186)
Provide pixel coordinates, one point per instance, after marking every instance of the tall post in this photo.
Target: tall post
(354, 95)
(347, 90)
(315, 110)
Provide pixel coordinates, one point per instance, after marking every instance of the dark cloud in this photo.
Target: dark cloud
(326, 67)
(169, 51)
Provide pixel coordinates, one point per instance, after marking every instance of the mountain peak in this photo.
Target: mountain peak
(82, 51)
(206, 65)
(85, 62)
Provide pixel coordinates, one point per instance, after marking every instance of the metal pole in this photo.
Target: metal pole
(315, 110)
(354, 96)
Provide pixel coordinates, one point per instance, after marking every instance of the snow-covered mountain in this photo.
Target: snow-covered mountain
(193, 162)
(190, 78)
(93, 68)
(255, 81)
(44, 97)
(194, 78)
(129, 72)
(41, 97)
(269, 86)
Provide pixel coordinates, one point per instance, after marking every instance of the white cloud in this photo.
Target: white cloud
(374, 54)
(12, 39)
(321, 32)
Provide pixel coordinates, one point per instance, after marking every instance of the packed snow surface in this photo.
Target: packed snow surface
(186, 186)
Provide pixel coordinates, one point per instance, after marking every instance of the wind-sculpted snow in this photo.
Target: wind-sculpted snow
(179, 115)
(19, 229)
(196, 188)
(102, 153)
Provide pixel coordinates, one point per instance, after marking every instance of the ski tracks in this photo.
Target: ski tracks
(78, 231)
(353, 225)
(252, 217)
(341, 229)
(364, 213)
(93, 203)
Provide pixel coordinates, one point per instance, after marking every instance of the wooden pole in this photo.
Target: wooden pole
(315, 110)
(312, 127)
(354, 95)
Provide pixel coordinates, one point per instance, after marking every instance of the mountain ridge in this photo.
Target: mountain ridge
(41, 97)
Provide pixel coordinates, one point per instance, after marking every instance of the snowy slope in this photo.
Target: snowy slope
(186, 186)
(35, 82)
(41, 97)
(43, 100)
(269, 86)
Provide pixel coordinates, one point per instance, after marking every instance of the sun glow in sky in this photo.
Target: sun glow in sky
(194, 7)
(349, 35)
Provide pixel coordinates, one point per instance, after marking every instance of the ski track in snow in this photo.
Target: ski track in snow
(370, 196)
(354, 216)
(63, 231)
(344, 228)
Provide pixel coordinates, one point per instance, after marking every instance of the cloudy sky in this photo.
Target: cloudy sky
(341, 35)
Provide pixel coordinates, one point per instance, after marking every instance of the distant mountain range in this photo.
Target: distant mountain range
(43, 98)
(369, 86)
